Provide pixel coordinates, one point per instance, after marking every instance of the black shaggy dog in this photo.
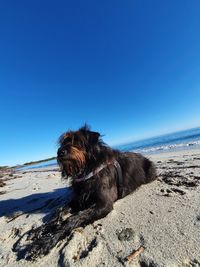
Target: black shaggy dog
(100, 176)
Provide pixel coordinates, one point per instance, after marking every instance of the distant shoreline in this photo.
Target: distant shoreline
(32, 163)
(38, 161)
(27, 163)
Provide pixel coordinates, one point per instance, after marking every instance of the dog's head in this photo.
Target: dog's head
(76, 149)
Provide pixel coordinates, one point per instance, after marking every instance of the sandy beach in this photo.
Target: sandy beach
(157, 225)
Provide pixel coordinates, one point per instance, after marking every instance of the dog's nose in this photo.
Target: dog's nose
(61, 153)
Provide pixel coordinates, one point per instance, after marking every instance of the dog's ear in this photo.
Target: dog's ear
(93, 137)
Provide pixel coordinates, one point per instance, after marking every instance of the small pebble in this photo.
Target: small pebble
(125, 234)
(169, 191)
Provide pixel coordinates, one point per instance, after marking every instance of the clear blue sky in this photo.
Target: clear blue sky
(131, 69)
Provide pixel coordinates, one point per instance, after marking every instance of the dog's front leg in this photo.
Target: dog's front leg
(102, 206)
(87, 216)
(82, 218)
(48, 240)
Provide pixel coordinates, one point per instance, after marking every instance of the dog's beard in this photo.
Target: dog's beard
(70, 168)
(73, 165)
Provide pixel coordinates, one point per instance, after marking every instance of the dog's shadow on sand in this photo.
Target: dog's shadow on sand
(36, 203)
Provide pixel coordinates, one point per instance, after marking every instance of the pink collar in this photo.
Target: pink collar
(93, 173)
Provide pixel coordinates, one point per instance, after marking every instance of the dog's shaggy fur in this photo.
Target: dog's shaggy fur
(80, 153)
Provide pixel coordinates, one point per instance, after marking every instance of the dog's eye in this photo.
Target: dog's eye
(67, 140)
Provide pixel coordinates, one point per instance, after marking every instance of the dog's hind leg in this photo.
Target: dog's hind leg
(150, 170)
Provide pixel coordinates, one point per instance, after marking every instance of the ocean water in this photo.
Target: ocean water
(169, 142)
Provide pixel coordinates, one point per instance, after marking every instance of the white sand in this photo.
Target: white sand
(164, 218)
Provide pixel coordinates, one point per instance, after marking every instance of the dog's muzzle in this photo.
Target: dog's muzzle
(61, 153)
